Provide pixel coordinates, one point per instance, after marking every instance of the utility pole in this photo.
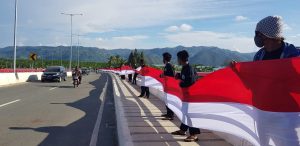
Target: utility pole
(71, 15)
(15, 35)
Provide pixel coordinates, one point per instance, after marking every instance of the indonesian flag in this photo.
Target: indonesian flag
(125, 70)
(257, 101)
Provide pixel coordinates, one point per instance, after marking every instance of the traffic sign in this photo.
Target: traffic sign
(33, 56)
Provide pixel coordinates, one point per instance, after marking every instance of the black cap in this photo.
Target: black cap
(183, 55)
(167, 56)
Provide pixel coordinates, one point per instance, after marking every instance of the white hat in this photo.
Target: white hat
(271, 27)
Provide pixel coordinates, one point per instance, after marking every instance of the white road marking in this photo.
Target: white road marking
(2, 105)
(94, 138)
(53, 88)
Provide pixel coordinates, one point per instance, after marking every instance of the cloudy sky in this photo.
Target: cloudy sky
(145, 24)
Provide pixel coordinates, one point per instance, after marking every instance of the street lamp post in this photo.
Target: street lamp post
(78, 51)
(71, 15)
(15, 35)
(60, 56)
(78, 48)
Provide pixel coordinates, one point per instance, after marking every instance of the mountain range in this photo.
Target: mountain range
(210, 56)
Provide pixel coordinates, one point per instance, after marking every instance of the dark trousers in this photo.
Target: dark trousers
(134, 78)
(123, 77)
(129, 77)
(145, 90)
(192, 130)
(170, 113)
(79, 79)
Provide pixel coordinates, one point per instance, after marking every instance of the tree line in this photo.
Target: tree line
(25, 63)
(133, 60)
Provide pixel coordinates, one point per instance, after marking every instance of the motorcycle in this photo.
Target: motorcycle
(75, 81)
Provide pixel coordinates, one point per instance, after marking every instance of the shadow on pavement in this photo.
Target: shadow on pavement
(52, 86)
(146, 122)
(158, 130)
(79, 132)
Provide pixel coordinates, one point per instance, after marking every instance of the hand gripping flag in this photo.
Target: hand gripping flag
(257, 101)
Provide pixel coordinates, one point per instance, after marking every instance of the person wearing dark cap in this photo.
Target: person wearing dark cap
(168, 71)
(188, 78)
(144, 89)
(269, 37)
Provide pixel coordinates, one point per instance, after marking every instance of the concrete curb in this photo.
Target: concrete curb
(21, 77)
(12, 78)
(124, 136)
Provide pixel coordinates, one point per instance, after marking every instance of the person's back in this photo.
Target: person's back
(169, 70)
(75, 73)
(187, 76)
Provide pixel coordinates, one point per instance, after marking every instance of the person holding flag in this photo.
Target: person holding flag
(188, 78)
(269, 37)
(168, 71)
(144, 89)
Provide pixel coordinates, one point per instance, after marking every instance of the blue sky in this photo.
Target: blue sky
(146, 24)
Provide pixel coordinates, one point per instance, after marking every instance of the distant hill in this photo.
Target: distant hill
(211, 56)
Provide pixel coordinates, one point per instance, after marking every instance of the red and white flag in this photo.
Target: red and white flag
(257, 101)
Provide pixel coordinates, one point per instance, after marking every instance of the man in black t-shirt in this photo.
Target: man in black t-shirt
(188, 78)
(168, 71)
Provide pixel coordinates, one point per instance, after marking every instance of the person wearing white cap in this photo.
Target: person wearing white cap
(269, 37)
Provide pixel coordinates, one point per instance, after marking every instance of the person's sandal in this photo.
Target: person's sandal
(167, 118)
(191, 139)
(164, 115)
(178, 132)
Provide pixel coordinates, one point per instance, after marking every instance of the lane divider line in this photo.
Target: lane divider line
(53, 88)
(124, 136)
(2, 105)
(94, 137)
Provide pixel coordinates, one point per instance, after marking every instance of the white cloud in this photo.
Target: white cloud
(172, 29)
(295, 40)
(182, 27)
(134, 41)
(286, 27)
(240, 18)
(37, 18)
(131, 38)
(186, 27)
(108, 15)
(99, 39)
(208, 38)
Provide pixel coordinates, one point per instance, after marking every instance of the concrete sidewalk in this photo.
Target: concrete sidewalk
(140, 122)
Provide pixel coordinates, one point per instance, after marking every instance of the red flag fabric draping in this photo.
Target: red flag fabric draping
(258, 101)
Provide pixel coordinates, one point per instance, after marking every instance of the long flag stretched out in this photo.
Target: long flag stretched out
(123, 70)
(257, 101)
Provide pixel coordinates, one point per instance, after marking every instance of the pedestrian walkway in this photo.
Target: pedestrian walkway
(145, 125)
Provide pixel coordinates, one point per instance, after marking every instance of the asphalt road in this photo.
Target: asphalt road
(57, 114)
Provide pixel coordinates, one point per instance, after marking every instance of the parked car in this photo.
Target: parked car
(85, 71)
(54, 73)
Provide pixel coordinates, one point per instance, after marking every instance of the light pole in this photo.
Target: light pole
(78, 35)
(71, 15)
(42, 61)
(60, 56)
(15, 35)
